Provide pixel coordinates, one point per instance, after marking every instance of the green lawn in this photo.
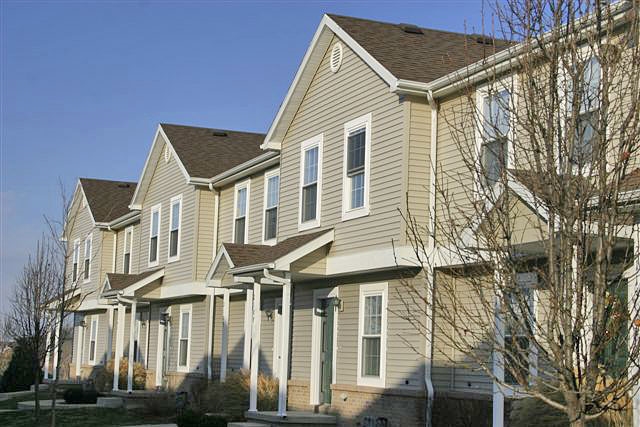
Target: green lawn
(95, 417)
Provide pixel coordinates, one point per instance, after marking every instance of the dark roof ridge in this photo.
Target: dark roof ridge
(115, 181)
(210, 128)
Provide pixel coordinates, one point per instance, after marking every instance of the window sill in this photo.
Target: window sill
(270, 242)
(303, 226)
(183, 369)
(152, 264)
(85, 281)
(174, 259)
(355, 213)
(371, 382)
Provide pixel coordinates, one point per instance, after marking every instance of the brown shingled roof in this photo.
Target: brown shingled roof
(206, 152)
(418, 57)
(245, 255)
(108, 200)
(119, 281)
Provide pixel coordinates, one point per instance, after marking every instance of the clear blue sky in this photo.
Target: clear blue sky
(84, 85)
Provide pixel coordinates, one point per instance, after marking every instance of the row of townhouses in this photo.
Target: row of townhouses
(287, 253)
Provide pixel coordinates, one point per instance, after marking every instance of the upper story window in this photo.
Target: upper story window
(175, 217)
(588, 113)
(76, 260)
(372, 340)
(240, 212)
(494, 146)
(357, 154)
(310, 183)
(128, 245)
(271, 200)
(154, 234)
(87, 258)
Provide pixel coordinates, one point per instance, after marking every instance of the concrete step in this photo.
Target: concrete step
(246, 424)
(293, 418)
(110, 402)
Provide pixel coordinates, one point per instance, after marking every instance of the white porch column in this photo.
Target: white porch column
(46, 356)
(225, 336)
(633, 288)
(131, 356)
(108, 352)
(255, 349)
(79, 348)
(284, 346)
(248, 320)
(212, 301)
(56, 343)
(119, 345)
(498, 360)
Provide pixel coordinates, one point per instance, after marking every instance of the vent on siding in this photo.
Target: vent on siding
(336, 57)
(123, 185)
(411, 29)
(167, 153)
(481, 39)
(219, 133)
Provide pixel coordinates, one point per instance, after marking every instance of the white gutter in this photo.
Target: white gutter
(247, 168)
(124, 220)
(216, 213)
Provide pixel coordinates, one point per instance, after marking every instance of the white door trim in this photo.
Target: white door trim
(316, 346)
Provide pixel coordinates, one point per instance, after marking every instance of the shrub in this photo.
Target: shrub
(190, 418)
(160, 405)
(231, 398)
(139, 374)
(78, 395)
(22, 369)
(456, 412)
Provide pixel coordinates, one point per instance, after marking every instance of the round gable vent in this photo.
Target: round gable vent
(167, 153)
(336, 57)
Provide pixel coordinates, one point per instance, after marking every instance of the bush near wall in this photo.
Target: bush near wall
(459, 412)
(22, 369)
(106, 381)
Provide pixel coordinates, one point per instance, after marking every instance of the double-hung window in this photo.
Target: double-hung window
(128, 244)
(175, 214)
(271, 200)
(154, 235)
(240, 212)
(372, 340)
(357, 153)
(76, 260)
(93, 339)
(310, 183)
(87, 258)
(495, 131)
(184, 338)
(588, 113)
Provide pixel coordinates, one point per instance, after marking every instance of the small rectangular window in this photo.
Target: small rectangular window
(495, 131)
(271, 200)
(185, 336)
(76, 260)
(128, 244)
(516, 341)
(372, 330)
(174, 227)
(87, 258)
(310, 185)
(357, 147)
(93, 339)
(154, 234)
(240, 212)
(589, 113)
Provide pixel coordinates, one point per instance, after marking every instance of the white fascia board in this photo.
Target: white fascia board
(372, 260)
(141, 188)
(251, 268)
(183, 290)
(528, 198)
(130, 291)
(263, 161)
(272, 141)
(214, 265)
(284, 263)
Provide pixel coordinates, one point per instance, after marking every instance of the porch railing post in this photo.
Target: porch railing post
(131, 356)
(119, 345)
(248, 320)
(225, 336)
(255, 349)
(284, 345)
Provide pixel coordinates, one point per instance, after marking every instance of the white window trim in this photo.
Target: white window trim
(154, 208)
(139, 319)
(239, 186)
(267, 176)
(89, 239)
(315, 380)
(75, 259)
(188, 308)
(347, 212)
(370, 290)
(174, 200)
(509, 83)
(128, 231)
(316, 141)
(93, 361)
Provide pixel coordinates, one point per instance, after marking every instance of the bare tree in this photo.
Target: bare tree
(29, 320)
(532, 250)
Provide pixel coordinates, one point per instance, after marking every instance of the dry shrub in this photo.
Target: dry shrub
(159, 405)
(231, 398)
(139, 374)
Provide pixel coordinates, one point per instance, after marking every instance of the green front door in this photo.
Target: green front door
(327, 350)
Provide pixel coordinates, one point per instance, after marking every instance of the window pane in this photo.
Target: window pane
(310, 166)
(357, 191)
(270, 223)
(184, 332)
(183, 352)
(75, 271)
(496, 115)
(371, 356)
(87, 248)
(94, 329)
(87, 267)
(92, 351)
(153, 250)
(356, 151)
(126, 263)
(494, 159)
(173, 243)
(155, 216)
(591, 87)
(239, 231)
(373, 315)
(241, 207)
(585, 138)
(516, 359)
(273, 191)
(309, 200)
(175, 216)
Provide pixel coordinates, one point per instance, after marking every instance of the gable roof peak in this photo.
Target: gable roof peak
(107, 199)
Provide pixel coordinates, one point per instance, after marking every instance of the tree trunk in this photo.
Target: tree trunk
(36, 412)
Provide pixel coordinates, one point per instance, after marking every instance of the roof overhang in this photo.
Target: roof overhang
(248, 168)
(130, 290)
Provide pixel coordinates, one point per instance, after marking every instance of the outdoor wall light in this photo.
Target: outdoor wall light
(269, 313)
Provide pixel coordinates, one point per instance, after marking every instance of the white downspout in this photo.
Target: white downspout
(431, 252)
(216, 212)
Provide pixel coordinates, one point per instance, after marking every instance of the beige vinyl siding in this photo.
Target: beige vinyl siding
(217, 335)
(419, 161)
(267, 332)
(135, 250)
(302, 314)
(168, 181)
(236, 333)
(332, 100)
(106, 256)
(154, 323)
(255, 209)
(101, 337)
(204, 234)
(225, 215)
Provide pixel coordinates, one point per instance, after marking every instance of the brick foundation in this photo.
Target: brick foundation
(298, 396)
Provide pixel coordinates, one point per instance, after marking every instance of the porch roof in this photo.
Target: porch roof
(116, 282)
